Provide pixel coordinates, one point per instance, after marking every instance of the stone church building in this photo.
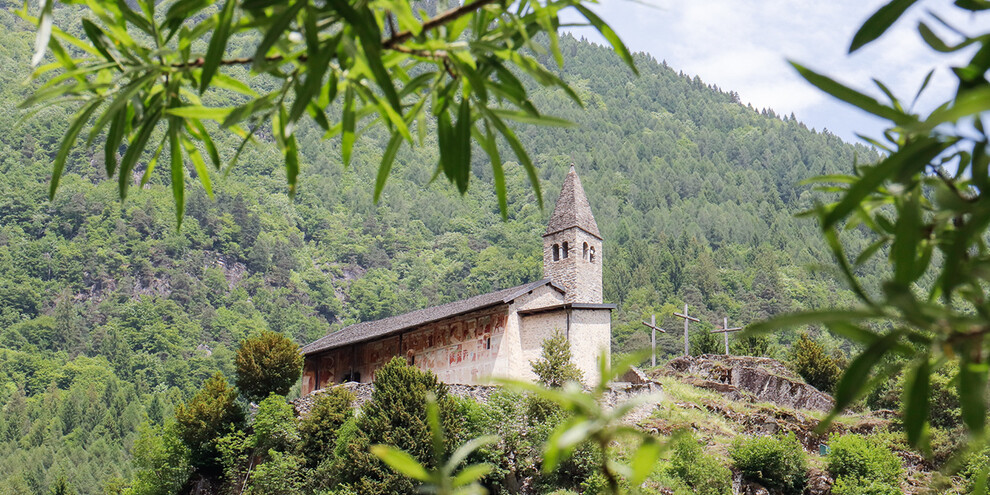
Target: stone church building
(494, 334)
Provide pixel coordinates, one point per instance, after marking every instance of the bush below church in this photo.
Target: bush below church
(776, 461)
(704, 474)
(862, 466)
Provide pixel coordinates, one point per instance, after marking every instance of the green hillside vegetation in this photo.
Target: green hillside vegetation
(110, 317)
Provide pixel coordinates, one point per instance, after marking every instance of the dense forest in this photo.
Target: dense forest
(110, 316)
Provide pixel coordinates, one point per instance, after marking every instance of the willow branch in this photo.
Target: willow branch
(199, 62)
(438, 21)
(393, 43)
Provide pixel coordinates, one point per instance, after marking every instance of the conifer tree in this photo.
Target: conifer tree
(554, 368)
(814, 364)
(318, 430)
(396, 416)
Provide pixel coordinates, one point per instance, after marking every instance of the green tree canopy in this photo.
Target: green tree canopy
(268, 363)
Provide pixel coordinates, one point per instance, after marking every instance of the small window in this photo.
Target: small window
(591, 254)
(584, 254)
(565, 250)
(556, 252)
(488, 343)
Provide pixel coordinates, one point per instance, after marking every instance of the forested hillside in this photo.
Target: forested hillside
(110, 316)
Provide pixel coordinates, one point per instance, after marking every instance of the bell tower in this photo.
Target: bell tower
(572, 245)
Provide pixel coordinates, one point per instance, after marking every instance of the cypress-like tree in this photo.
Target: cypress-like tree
(318, 430)
(395, 416)
(554, 368)
(210, 414)
(815, 365)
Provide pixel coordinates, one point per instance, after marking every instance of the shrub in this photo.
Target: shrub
(275, 425)
(539, 410)
(573, 472)
(848, 485)
(702, 472)
(706, 342)
(755, 345)
(281, 474)
(211, 413)
(518, 452)
(554, 368)
(326, 477)
(863, 465)
(479, 420)
(318, 430)
(161, 459)
(810, 360)
(944, 405)
(945, 444)
(773, 461)
(267, 363)
(973, 466)
(395, 416)
(236, 450)
(596, 484)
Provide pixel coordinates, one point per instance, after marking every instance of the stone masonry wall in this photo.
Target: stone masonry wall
(616, 394)
(459, 350)
(577, 273)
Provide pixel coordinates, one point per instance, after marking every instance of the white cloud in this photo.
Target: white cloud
(743, 45)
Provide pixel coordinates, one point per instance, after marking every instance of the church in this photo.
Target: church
(495, 334)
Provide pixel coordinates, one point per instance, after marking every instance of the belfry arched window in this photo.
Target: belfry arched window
(556, 252)
(565, 250)
(584, 253)
(591, 254)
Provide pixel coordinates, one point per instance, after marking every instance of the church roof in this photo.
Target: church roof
(572, 208)
(369, 330)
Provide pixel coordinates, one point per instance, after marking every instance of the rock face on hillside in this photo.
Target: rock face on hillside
(745, 377)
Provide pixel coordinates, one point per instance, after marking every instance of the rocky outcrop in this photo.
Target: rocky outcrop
(749, 378)
(635, 376)
(819, 482)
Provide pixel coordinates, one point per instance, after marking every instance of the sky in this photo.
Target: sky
(744, 45)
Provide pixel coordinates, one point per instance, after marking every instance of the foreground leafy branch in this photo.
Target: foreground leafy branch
(591, 421)
(138, 75)
(927, 205)
(446, 479)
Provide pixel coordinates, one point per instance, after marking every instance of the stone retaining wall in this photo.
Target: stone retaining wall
(618, 393)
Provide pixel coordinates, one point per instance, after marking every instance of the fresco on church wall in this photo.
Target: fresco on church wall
(459, 350)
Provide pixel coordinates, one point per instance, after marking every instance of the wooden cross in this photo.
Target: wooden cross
(653, 339)
(687, 319)
(725, 332)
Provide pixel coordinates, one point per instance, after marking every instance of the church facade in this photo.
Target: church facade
(495, 334)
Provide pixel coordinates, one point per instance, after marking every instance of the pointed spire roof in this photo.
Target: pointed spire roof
(572, 208)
